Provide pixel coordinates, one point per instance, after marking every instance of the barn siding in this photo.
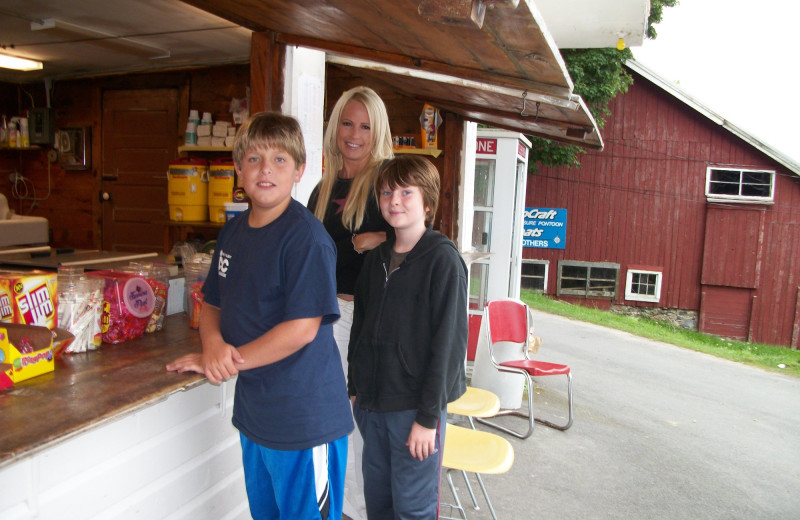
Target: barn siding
(642, 201)
(732, 246)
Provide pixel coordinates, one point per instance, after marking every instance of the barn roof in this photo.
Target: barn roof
(698, 105)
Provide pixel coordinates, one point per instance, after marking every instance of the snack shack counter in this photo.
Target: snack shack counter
(111, 433)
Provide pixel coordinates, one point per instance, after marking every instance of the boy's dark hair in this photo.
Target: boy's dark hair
(411, 170)
(270, 130)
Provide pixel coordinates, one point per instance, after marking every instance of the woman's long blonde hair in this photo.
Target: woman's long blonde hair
(355, 207)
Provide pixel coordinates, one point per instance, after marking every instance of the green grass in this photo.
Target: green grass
(768, 357)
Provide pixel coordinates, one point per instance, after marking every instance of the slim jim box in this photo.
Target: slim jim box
(29, 298)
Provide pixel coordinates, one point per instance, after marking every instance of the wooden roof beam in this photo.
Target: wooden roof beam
(564, 95)
(453, 12)
(572, 129)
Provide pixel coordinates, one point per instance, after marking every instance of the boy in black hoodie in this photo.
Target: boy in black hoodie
(407, 345)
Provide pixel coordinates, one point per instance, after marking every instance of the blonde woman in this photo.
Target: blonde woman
(357, 141)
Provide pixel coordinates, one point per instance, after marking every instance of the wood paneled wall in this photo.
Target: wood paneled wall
(71, 204)
(69, 199)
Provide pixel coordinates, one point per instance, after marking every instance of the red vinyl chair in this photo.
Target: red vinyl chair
(472, 336)
(508, 320)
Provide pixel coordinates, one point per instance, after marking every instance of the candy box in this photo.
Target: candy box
(29, 298)
(25, 351)
(429, 121)
(128, 302)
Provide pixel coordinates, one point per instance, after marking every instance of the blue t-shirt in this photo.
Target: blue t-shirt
(260, 277)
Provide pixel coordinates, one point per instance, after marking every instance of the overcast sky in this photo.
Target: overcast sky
(737, 57)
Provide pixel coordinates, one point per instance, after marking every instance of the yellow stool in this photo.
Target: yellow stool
(475, 451)
(476, 402)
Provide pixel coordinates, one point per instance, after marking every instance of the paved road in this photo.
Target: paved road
(660, 432)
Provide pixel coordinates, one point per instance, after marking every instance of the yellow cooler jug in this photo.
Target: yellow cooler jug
(187, 188)
(220, 188)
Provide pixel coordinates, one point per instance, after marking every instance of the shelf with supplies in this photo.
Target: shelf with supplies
(183, 230)
(194, 148)
(433, 152)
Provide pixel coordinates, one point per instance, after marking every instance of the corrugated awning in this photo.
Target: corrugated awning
(499, 67)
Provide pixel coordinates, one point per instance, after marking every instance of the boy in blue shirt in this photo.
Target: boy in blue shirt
(269, 305)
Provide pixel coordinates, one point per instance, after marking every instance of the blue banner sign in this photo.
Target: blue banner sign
(545, 228)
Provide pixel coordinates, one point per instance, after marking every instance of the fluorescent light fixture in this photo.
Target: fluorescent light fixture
(81, 34)
(17, 63)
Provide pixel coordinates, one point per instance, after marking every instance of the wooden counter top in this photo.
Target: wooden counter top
(88, 389)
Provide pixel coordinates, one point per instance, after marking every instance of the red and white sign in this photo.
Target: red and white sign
(486, 145)
(522, 150)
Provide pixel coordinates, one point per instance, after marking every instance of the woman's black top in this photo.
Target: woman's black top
(348, 262)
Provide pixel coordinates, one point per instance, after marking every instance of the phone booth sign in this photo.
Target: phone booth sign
(486, 146)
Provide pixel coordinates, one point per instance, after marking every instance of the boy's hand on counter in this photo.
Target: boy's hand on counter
(216, 363)
(187, 363)
(220, 360)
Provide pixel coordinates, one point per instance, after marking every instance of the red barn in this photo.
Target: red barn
(682, 215)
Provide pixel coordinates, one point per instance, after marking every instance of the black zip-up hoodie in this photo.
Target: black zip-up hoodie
(408, 342)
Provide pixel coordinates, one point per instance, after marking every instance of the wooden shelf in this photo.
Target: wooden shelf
(20, 148)
(190, 223)
(182, 230)
(189, 148)
(433, 152)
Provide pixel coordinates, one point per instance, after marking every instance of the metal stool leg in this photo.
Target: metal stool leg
(457, 505)
(475, 505)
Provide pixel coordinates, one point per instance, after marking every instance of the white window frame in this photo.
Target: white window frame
(546, 264)
(715, 197)
(630, 295)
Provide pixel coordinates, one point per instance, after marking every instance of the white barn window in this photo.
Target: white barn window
(643, 286)
(738, 185)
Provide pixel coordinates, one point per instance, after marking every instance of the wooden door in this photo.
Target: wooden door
(140, 131)
(725, 311)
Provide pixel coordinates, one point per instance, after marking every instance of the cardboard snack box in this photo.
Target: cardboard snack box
(29, 298)
(26, 351)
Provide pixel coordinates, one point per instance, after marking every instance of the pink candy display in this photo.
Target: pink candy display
(158, 278)
(128, 302)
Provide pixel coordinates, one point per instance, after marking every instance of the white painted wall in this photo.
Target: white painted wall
(304, 98)
(466, 189)
(177, 459)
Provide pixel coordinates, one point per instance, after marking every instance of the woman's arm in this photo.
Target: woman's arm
(363, 242)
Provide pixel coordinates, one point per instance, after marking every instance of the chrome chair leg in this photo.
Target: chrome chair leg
(516, 414)
(528, 416)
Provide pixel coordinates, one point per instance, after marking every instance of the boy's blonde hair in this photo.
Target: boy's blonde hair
(270, 130)
(412, 170)
(355, 207)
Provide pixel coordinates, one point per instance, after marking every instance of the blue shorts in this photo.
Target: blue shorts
(295, 485)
